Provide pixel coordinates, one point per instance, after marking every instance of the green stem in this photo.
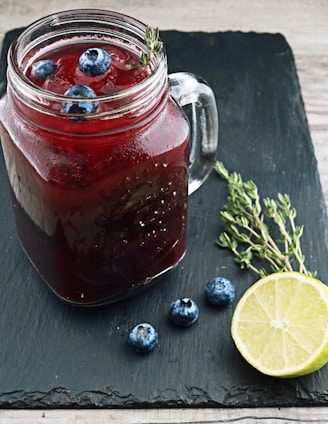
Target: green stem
(244, 211)
(275, 249)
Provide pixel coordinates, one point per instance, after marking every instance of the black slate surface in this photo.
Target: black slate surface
(55, 355)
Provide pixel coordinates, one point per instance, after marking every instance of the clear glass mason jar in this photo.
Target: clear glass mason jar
(100, 192)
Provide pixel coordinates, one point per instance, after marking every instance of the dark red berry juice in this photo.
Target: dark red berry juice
(99, 201)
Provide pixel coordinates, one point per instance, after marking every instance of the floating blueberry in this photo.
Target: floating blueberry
(94, 62)
(143, 337)
(219, 291)
(80, 91)
(183, 312)
(42, 69)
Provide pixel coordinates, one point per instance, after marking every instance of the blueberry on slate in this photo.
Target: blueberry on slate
(183, 312)
(42, 69)
(94, 62)
(80, 91)
(143, 337)
(220, 291)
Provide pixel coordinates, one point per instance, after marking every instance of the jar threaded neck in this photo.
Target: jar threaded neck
(84, 26)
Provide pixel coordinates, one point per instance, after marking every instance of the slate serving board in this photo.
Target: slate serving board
(55, 355)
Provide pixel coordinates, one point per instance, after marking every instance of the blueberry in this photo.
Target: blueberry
(80, 91)
(94, 62)
(183, 312)
(143, 337)
(42, 69)
(219, 291)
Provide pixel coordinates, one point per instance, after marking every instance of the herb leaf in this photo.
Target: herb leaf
(247, 233)
(153, 44)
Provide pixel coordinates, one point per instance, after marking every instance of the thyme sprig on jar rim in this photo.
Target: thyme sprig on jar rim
(153, 44)
(247, 233)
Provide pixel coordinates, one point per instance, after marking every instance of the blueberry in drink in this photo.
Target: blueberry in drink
(42, 69)
(83, 107)
(94, 62)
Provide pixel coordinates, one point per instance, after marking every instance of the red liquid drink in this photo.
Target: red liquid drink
(99, 184)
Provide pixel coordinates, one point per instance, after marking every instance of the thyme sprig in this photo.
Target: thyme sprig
(153, 44)
(247, 232)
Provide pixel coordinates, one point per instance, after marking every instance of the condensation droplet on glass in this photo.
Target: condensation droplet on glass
(136, 177)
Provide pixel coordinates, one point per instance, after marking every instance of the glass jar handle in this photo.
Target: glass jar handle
(191, 89)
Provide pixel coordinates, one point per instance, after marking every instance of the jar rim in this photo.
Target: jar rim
(90, 20)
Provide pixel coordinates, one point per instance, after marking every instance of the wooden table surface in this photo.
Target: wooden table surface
(304, 23)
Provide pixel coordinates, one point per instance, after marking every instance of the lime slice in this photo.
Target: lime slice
(280, 325)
